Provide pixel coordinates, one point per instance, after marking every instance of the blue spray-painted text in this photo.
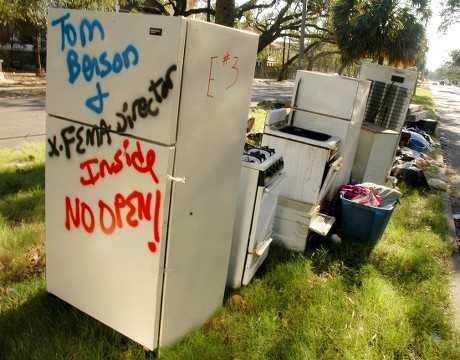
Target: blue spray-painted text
(92, 66)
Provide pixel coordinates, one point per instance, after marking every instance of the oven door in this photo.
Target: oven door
(329, 183)
(262, 226)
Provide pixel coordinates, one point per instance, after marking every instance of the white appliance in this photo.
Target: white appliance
(389, 96)
(261, 176)
(307, 155)
(312, 164)
(375, 155)
(146, 117)
(386, 111)
(333, 105)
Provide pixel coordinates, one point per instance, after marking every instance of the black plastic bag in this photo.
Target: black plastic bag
(410, 174)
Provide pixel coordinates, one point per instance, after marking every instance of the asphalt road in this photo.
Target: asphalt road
(22, 121)
(447, 102)
(271, 90)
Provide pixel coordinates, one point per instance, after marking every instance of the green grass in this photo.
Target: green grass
(22, 209)
(423, 97)
(336, 301)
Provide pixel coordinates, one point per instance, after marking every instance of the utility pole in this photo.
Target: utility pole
(302, 32)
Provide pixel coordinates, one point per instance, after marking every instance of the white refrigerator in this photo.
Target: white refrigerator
(145, 129)
(334, 105)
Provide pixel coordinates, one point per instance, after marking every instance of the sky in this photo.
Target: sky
(440, 45)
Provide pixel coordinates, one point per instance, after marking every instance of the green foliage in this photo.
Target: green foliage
(381, 30)
(450, 13)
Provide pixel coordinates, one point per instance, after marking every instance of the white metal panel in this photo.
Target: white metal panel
(254, 261)
(117, 68)
(216, 92)
(255, 212)
(347, 130)
(376, 72)
(375, 155)
(247, 193)
(106, 215)
(330, 95)
(304, 165)
(292, 219)
(264, 211)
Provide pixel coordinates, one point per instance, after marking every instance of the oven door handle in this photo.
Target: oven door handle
(275, 181)
(263, 246)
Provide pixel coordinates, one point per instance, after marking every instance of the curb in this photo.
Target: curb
(452, 238)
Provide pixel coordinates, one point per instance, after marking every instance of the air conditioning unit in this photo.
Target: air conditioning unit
(389, 96)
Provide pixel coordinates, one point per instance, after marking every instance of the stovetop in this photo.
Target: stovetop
(257, 154)
(264, 159)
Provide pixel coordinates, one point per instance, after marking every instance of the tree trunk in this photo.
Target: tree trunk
(225, 12)
(341, 68)
(39, 72)
(181, 7)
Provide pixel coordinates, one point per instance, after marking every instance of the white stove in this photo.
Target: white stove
(261, 174)
(265, 160)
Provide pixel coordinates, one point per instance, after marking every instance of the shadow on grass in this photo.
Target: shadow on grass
(29, 178)
(22, 194)
(46, 327)
(28, 206)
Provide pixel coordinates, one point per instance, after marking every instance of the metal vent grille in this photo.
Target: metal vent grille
(386, 105)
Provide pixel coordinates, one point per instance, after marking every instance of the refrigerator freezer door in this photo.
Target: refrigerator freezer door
(106, 215)
(120, 71)
(329, 95)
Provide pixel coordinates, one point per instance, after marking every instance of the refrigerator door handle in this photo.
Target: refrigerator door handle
(176, 179)
(275, 182)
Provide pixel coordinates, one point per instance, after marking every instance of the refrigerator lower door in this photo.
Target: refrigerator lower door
(106, 219)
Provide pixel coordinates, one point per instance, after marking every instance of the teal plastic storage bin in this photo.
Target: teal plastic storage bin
(363, 222)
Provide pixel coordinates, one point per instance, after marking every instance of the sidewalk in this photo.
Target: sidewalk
(452, 237)
(11, 89)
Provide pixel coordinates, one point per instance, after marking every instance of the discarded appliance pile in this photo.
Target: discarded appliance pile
(411, 160)
(342, 139)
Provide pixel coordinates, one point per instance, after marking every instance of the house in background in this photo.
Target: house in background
(271, 60)
(18, 51)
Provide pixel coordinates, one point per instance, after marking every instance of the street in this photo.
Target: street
(22, 121)
(447, 102)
